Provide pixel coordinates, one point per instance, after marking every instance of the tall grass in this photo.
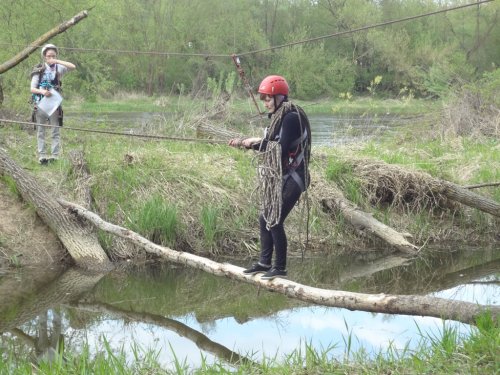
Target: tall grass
(158, 220)
(161, 188)
(209, 219)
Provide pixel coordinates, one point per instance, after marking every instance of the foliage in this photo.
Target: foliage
(166, 47)
(11, 184)
(474, 108)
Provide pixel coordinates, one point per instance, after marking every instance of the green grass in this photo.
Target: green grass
(157, 220)
(11, 184)
(138, 183)
(209, 217)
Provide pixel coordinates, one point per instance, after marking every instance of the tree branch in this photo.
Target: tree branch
(24, 54)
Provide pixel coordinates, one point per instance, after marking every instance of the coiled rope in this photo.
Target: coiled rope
(269, 170)
(269, 188)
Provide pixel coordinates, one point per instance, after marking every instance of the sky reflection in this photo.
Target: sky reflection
(285, 332)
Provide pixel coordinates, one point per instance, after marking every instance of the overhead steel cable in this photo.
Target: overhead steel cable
(271, 48)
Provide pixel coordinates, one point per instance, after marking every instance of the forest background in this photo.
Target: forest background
(166, 47)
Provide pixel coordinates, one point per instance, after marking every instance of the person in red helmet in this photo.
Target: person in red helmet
(289, 136)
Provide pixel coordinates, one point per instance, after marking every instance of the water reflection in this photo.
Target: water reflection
(190, 313)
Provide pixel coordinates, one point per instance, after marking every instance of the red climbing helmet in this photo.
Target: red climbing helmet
(273, 85)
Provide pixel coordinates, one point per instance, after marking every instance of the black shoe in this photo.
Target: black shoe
(52, 159)
(256, 268)
(43, 161)
(274, 272)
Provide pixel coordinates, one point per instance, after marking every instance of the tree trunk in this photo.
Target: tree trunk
(393, 304)
(77, 236)
(389, 176)
(334, 200)
(366, 223)
(41, 40)
(469, 198)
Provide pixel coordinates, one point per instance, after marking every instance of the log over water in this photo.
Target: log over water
(392, 304)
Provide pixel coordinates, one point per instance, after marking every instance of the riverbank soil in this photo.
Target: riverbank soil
(24, 239)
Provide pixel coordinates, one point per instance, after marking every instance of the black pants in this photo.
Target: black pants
(275, 238)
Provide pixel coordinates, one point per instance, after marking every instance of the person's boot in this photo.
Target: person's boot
(256, 268)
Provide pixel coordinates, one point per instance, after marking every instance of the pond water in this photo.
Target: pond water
(196, 315)
(327, 130)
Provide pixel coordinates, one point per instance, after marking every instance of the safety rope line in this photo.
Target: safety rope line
(272, 48)
(138, 135)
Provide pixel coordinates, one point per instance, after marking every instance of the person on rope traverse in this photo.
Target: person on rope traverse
(45, 77)
(290, 130)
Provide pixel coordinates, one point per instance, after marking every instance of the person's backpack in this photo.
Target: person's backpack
(38, 69)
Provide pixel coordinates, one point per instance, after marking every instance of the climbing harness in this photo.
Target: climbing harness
(44, 82)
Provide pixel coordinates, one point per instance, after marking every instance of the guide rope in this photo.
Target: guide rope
(128, 134)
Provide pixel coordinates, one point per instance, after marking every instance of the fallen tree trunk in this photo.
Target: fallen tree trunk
(77, 236)
(24, 54)
(365, 222)
(395, 185)
(333, 200)
(393, 304)
(469, 198)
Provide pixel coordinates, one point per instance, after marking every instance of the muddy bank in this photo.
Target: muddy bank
(24, 239)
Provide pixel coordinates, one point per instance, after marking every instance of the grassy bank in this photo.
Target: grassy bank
(449, 354)
(199, 197)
